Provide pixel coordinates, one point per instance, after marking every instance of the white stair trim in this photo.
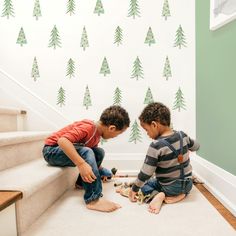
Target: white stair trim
(55, 118)
(219, 182)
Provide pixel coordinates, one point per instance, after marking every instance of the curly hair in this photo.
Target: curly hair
(155, 112)
(115, 115)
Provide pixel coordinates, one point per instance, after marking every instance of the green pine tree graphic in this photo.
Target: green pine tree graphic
(148, 98)
(98, 8)
(180, 38)
(37, 10)
(137, 69)
(166, 9)
(105, 67)
(117, 97)
(35, 70)
(21, 37)
(70, 7)
(135, 135)
(8, 9)
(134, 9)
(84, 39)
(87, 99)
(167, 69)
(70, 71)
(150, 37)
(55, 38)
(118, 36)
(61, 97)
(179, 101)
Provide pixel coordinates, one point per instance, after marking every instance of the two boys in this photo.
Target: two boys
(76, 145)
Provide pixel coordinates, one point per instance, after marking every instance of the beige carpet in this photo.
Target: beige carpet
(68, 216)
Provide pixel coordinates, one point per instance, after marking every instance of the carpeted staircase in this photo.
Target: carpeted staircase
(23, 168)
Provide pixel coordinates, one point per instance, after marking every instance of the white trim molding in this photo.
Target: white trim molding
(35, 105)
(219, 182)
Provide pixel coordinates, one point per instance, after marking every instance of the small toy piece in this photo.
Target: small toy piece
(107, 174)
(118, 183)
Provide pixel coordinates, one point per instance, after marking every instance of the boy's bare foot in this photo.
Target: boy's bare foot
(155, 204)
(103, 205)
(175, 199)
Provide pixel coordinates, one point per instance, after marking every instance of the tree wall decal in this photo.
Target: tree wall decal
(87, 98)
(137, 69)
(21, 37)
(35, 70)
(134, 9)
(55, 40)
(105, 67)
(61, 97)
(118, 36)
(8, 9)
(148, 98)
(37, 10)
(135, 135)
(179, 101)
(180, 38)
(84, 39)
(167, 69)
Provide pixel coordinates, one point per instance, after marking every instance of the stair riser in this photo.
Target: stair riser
(8, 123)
(13, 155)
(28, 210)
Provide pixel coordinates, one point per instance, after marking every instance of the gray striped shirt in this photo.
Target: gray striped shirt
(162, 161)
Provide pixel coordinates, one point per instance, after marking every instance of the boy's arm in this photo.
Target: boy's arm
(148, 168)
(193, 145)
(84, 168)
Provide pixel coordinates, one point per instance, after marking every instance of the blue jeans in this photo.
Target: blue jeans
(93, 156)
(179, 186)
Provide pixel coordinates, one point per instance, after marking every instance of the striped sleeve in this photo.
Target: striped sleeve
(193, 145)
(148, 168)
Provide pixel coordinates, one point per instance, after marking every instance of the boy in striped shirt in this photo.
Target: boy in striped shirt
(167, 157)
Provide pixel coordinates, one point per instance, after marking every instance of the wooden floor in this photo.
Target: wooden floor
(220, 208)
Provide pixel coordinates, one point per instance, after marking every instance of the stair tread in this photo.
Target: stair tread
(12, 110)
(30, 176)
(9, 138)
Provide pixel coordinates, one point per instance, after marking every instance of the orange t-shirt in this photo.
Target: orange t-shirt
(78, 132)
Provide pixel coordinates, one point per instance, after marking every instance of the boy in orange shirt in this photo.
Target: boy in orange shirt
(76, 145)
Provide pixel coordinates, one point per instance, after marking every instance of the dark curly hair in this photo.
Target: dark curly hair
(155, 112)
(115, 115)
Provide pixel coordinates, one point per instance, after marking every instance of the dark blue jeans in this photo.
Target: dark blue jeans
(179, 186)
(93, 156)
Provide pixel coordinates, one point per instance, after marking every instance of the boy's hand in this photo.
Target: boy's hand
(132, 196)
(86, 172)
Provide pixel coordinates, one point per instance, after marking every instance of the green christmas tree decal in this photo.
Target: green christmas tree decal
(21, 37)
(102, 141)
(135, 135)
(8, 9)
(118, 36)
(105, 67)
(180, 38)
(70, 7)
(137, 69)
(61, 97)
(87, 99)
(117, 97)
(179, 101)
(134, 8)
(35, 70)
(148, 98)
(70, 68)
(84, 39)
(55, 38)
(98, 8)
(166, 9)
(150, 37)
(37, 9)
(167, 69)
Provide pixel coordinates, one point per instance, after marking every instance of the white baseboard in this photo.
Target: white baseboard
(219, 182)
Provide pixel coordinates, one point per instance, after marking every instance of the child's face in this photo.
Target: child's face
(151, 129)
(112, 132)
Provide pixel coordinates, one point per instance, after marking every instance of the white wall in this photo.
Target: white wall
(17, 61)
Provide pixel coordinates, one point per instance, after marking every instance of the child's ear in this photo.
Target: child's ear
(112, 128)
(154, 124)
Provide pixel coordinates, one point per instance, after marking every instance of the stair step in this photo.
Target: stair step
(40, 184)
(11, 119)
(20, 147)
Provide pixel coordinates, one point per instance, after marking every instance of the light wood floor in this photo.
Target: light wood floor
(220, 208)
